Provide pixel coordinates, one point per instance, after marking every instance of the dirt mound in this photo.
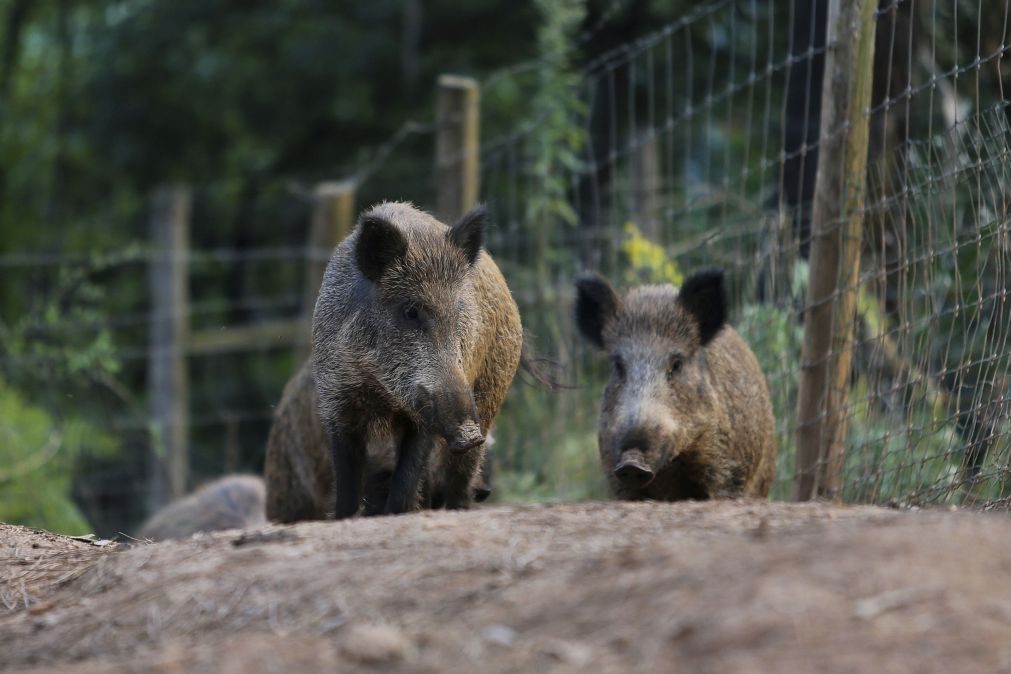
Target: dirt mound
(34, 563)
(720, 587)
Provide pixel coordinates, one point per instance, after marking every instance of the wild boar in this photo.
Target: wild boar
(686, 412)
(415, 342)
(231, 502)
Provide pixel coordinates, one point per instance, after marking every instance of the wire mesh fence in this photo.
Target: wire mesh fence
(930, 393)
(699, 148)
(695, 145)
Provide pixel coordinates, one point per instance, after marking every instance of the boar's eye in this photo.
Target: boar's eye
(619, 366)
(411, 315)
(674, 365)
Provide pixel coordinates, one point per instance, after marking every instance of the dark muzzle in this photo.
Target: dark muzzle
(633, 470)
(452, 415)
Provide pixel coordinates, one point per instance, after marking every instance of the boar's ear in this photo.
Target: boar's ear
(468, 232)
(379, 245)
(596, 304)
(704, 297)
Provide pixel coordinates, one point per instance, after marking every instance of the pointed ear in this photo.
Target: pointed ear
(596, 305)
(379, 245)
(468, 232)
(705, 298)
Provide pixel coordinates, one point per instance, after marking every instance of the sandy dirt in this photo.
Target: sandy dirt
(696, 587)
(35, 563)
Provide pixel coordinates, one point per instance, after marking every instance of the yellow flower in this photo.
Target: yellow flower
(648, 262)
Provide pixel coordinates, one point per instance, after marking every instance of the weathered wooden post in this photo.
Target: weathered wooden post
(457, 143)
(836, 229)
(168, 275)
(333, 218)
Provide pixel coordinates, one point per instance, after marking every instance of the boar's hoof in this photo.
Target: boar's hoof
(468, 437)
(632, 469)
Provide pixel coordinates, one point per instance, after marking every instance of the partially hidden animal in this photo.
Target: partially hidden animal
(231, 502)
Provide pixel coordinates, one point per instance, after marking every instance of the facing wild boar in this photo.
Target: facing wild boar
(416, 340)
(298, 469)
(231, 502)
(686, 412)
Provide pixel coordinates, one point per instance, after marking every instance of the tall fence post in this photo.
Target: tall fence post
(457, 157)
(333, 218)
(837, 224)
(167, 381)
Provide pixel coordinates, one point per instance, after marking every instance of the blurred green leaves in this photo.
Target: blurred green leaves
(58, 354)
(37, 459)
(557, 116)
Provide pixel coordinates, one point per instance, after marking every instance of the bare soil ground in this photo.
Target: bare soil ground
(695, 587)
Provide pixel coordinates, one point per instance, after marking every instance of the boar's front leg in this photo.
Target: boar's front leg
(348, 451)
(415, 450)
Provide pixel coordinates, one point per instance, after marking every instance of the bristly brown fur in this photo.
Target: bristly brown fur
(686, 391)
(298, 469)
(377, 379)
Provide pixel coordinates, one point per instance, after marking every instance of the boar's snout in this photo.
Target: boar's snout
(467, 436)
(632, 469)
(451, 414)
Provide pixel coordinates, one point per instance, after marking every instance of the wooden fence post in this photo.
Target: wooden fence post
(836, 230)
(457, 154)
(333, 218)
(168, 275)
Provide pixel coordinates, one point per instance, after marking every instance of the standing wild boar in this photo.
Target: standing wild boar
(299, 470)
(415, 342)
(231, 502)
(686, 413)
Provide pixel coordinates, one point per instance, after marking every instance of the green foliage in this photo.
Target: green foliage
(59, 353)
(902, 445)
(557, 113)
(560, 460)
(37, 457)
(557, 463)
(572, 473)
(943, 366)
(66, 338)
(897, 456)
